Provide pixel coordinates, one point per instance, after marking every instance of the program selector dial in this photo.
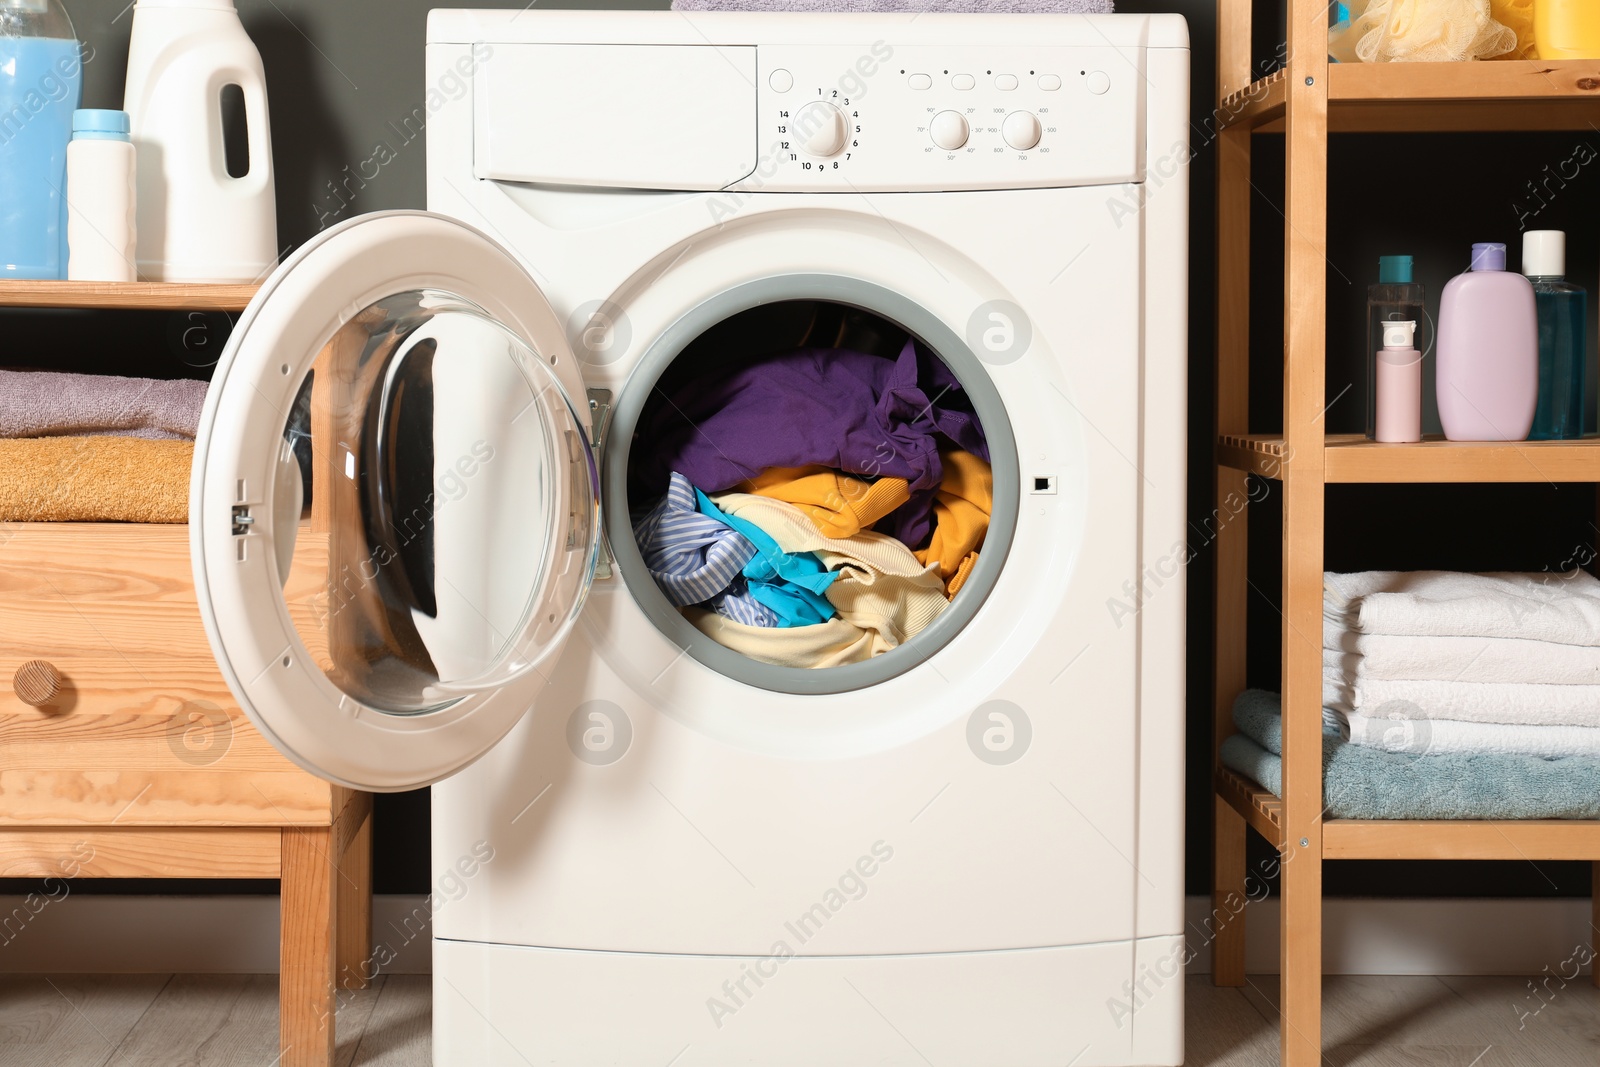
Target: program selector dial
(949, 130)
(821, 128)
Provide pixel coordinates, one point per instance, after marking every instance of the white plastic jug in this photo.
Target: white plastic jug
(196, 223)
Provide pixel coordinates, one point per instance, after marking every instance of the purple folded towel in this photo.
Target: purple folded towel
(52, 404)
(1010, 7)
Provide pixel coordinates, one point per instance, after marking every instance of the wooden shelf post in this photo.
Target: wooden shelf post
(1304, 336)
(1229, 518)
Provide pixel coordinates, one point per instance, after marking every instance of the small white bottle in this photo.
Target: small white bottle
(1399, 385)
(102, 194)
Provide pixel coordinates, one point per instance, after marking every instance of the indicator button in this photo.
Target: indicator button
(963, 81)
(1006, 82)
(1050, 82)
(1098, 82)
(921, 81)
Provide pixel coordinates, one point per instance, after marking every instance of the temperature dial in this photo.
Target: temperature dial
(820, 128)
(1021, 130)
(949, 130)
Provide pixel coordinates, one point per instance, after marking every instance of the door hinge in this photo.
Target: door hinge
(599, 423)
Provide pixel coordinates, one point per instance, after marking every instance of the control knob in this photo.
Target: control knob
(1021, 130)
(949, 130)
(821, 129)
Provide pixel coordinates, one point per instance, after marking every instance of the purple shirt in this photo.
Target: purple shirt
(854, 412)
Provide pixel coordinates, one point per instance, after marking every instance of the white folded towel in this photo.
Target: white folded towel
(1458, 659)
(1419, 737)
(1563, 607)
(1518, 703)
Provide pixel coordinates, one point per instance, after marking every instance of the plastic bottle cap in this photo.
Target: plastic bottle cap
(1395, 270)
(1488, 256)
(100, 124)
(1544, 254)
(1399, 334)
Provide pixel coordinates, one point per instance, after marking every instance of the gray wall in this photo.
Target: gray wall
(338, 73)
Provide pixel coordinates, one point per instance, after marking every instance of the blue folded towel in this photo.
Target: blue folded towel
(1366, 783)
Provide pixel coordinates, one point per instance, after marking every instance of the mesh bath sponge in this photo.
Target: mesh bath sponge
(1430, 31)
(1517, 15)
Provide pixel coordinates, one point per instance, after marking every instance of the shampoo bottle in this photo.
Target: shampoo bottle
(1487, 380)
(1567, 29)
(1563, 338)
(1399, 385)
(1396, 298)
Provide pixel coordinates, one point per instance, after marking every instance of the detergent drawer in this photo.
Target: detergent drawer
(627, 116)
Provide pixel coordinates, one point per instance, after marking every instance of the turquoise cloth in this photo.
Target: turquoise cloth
(1366, 783)
(789, 584)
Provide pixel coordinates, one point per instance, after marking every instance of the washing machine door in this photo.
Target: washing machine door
(394, 506)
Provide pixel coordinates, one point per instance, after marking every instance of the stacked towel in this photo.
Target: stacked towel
(1362, 783)
(96, 448)
(94, 479)
(1440, 662)
(49, 404)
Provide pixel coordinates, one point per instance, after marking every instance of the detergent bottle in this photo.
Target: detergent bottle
(1567, 29)
(41, 78)
(197, 222)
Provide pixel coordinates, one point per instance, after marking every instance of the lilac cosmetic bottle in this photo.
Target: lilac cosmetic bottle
(1488, 371)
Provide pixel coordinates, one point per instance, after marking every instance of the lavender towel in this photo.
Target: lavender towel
(1009, 7)
(52, 404)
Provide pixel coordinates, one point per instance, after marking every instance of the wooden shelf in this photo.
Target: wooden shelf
(1532, 839)
(1260, 808)
(1436, 97)
(1442, 839)
(1351, 458)
(138, 296)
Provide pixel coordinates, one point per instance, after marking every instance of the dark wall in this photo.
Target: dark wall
(340, 73)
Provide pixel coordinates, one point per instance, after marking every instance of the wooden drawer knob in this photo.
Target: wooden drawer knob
(36, 682)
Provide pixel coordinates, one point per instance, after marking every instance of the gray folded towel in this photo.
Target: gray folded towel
(52, 404)
(1366, 783)
(1009, 7)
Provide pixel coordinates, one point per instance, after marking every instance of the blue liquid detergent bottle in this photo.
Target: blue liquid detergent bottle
(41, 81)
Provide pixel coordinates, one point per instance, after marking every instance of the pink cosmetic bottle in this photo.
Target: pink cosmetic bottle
(1488, 371)
(1399, 374)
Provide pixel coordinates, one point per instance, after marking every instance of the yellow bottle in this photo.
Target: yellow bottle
(1567, 29)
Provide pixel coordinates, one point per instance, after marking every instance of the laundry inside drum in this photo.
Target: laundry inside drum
(810, 485)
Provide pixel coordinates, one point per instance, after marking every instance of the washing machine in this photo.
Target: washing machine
(411, 533)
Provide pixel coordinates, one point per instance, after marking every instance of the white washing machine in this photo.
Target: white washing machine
(417, 564)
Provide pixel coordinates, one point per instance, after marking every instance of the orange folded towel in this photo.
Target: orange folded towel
(94, 479)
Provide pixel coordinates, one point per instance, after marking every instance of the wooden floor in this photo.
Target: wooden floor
(232, 1021)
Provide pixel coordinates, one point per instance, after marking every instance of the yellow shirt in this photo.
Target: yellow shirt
(840, 505)
(961, 517)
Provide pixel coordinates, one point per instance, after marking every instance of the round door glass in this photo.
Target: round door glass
(435, 505)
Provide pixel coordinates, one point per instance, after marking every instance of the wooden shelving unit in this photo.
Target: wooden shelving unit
(1306, 101)
(138, 762)
(133, 296)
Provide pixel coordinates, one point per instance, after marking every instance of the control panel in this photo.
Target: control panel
(880, 118)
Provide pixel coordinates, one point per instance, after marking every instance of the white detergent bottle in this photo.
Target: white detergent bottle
(196, 222)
